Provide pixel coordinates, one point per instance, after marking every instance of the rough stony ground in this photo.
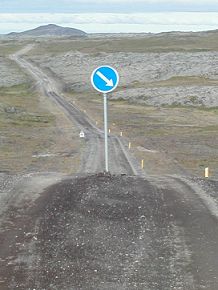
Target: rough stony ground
(92, 234)
(190, 95)
(110, 232)
(139, 70)
(11, 74)
(18, 194)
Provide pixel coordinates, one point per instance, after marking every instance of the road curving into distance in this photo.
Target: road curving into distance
(120, 161)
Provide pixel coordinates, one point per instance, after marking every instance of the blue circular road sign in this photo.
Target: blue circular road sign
(105, 79)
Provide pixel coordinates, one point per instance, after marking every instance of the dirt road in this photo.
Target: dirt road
(93, 157)
(101, 231)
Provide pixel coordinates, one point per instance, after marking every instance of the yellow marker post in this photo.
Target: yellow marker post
(109, 131)
(206, 172)
(121, 134)
(142, 164)
(129, 145)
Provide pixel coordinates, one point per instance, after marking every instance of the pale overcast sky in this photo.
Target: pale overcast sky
(110, 15)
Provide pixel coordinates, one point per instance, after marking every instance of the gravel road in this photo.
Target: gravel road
(120, 160)
(99, 231)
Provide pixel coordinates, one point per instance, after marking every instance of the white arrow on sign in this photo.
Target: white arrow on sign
(109, 83)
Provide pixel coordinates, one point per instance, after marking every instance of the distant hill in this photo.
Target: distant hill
(50, 30)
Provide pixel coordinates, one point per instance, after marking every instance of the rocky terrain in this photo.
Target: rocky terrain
(10, 74)
(172, 78)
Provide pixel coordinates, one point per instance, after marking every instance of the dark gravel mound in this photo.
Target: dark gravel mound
(104, 232)
(97, 232)
(111, 232)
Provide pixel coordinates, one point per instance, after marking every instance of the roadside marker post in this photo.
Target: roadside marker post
(130, 145)
(142, 164)
(105, 79)
(81, 134)
(206, 172)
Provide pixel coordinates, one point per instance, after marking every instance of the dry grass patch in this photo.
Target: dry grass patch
(153, 43)
(10, 46)
(184, 139)
(35, 134)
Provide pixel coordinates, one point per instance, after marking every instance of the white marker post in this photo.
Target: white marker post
(105, 79)
(206, 172)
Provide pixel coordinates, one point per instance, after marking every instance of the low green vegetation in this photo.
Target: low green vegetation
(35, 134)
(153, 43)
(23, 127)
(18, 107)
(170, 139)
(10, 46)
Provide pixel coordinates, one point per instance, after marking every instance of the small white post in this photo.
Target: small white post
(206, 172)
(142, 164)
(129, 145)
(121, 134)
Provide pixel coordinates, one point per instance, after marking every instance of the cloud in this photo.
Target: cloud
(91, 22)
(118, 2)
(179, 18)
(78, 6)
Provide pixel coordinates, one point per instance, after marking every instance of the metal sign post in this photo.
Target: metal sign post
(106, 133)
(105, 79)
